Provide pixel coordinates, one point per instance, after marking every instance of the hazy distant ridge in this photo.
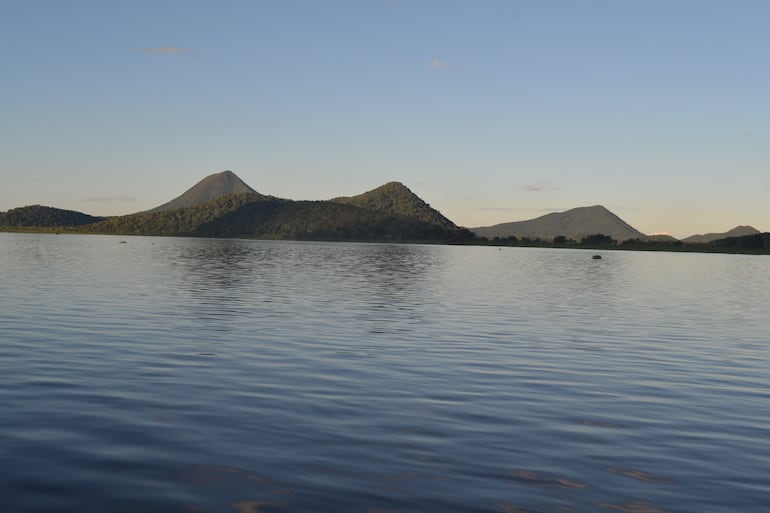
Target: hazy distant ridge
(738, 231)
(574, 224)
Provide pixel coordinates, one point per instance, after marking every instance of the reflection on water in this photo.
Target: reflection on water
(638, 474)
(632, 507)
(532, 478)
(194, 375)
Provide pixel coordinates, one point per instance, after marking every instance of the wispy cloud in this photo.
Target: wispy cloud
(538, 187)
(438, 64)
(164, 50)
(109, 198)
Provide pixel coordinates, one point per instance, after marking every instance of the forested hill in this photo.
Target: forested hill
(255, 215)
(182, 221)
(39, 216)
(222, 205)
(396, 198)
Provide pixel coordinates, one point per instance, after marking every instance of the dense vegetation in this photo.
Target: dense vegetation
(183, 221)
(254, 215)
(757, 243)
(40, 216)
(324, 220)
(397, 199)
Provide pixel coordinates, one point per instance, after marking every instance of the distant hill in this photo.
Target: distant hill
(396, 198)
(660, 238)
(40, 216)
(573, 224)
(212, 187)
(738, 231)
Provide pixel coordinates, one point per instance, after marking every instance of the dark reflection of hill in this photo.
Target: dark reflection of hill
(379, 286)
(215, 279)
(394, 279)
(258, 282)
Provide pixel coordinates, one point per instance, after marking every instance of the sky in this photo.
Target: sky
(491, 111)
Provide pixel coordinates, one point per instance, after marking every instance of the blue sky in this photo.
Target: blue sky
(492, 111)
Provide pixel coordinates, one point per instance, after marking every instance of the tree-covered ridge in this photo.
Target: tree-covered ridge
(183, 221)
(324, 220)
(255, 215)
(756, 241)
(41, 216)
(396, 198)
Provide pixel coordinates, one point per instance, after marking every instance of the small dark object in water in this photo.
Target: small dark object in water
(122, 242)
(597, 257)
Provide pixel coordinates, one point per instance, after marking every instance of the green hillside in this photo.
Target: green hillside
(39, 216)
(183, 221)
(254, 215)
(396, 198)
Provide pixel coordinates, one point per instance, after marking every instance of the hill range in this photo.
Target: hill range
(223, 205)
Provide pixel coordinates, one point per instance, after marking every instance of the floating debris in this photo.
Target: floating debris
(597, 257)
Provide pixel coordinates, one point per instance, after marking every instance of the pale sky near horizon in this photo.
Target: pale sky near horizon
(491, 111)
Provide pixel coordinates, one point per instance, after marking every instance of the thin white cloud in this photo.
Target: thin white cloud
(164, 50)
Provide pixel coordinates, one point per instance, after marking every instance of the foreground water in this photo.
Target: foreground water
(193, 375)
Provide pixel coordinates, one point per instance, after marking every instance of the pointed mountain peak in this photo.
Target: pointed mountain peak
(397, 198)
(211, 187)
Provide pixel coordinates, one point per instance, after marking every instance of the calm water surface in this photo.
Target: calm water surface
(194, 375)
